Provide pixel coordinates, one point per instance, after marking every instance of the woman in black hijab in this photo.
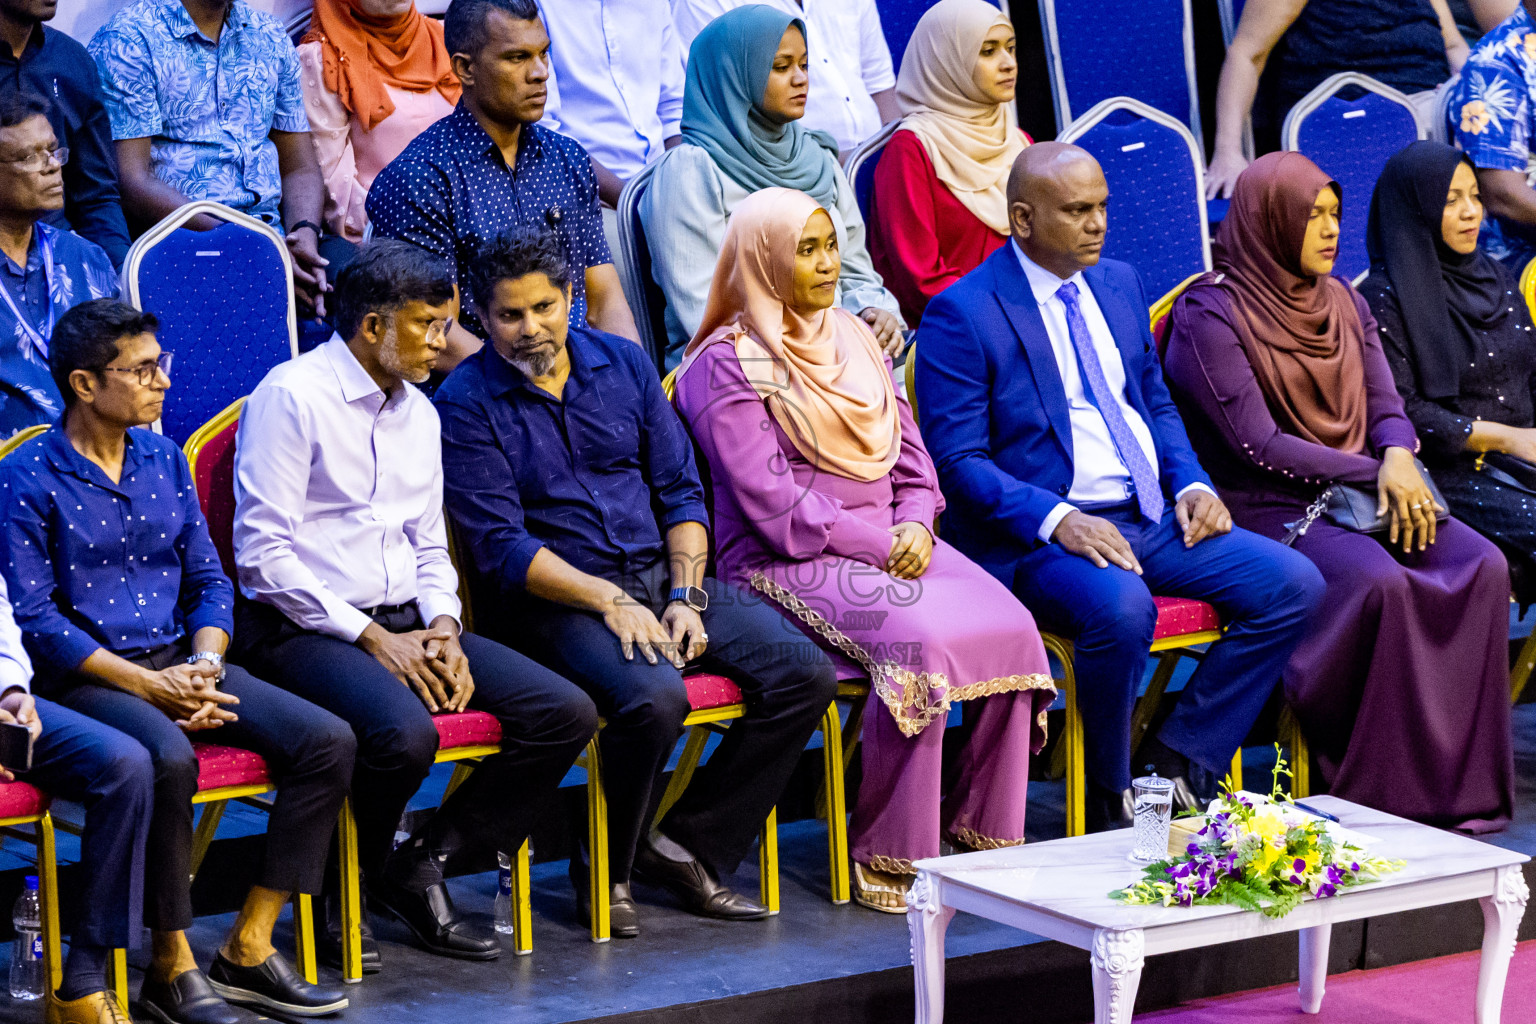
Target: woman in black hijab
(1459, 340)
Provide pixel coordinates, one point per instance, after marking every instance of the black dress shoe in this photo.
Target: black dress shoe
(623, 915)
(328, 943)
(188, 999)
(691, 882)
(1107, 810)
(429, 913)
(273, 985)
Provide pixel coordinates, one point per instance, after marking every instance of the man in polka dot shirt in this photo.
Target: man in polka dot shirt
(488, 167)
(126, 612)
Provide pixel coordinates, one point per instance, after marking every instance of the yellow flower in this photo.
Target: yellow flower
(1270, 829)
(1530, 45)
(1474, 116)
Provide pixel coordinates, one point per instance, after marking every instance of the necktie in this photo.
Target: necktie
(1149, 494)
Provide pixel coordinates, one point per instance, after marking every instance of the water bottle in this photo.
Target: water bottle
(503, 893)
(27, 952)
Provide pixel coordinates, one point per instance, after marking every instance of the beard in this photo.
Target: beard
(389, 358)
(533, 364)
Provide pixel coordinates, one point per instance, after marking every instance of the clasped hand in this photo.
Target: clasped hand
(18, 708)
(190, 696)
(678, 635)
(1404, 497)
(429, 661)
(911, 550)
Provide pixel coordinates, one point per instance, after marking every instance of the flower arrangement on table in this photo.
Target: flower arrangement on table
(1258, 853)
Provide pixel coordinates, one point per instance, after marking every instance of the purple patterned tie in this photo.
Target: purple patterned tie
(1149, 494)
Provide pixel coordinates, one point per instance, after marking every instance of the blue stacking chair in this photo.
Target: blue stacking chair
(1144, 49)
(646, 300)
(861, 165)
(1351, 139)
(225, 303)
(899, 17)
(1157, 187)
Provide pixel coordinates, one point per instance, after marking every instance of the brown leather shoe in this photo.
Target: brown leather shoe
(96, 1008)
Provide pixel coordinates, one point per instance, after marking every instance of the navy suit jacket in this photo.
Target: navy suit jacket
(994, 410)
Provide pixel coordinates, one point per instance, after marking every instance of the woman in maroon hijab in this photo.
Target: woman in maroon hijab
(1403, 686)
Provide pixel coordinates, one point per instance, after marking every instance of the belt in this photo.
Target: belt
(380, 610)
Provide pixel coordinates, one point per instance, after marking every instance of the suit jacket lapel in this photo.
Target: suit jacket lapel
(1023, 312)
(1126, 332)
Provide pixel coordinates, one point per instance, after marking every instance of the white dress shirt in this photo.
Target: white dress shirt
(1099, 476)
(618, 71)
(339, 496)
(849, 59)
(15, 666)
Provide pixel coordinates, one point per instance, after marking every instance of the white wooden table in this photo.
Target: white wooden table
(1060, 889)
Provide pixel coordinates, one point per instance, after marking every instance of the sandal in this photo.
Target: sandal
(863, 890)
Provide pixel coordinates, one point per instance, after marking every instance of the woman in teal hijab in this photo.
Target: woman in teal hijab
(745, 95)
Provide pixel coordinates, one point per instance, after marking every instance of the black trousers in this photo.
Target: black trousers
(308, 752)
(545, 723)
(110, 774)
(785, 678)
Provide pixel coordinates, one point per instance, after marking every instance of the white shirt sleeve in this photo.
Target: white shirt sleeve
(15, 666)
(669, 107)
(437, 582)
(874, 54)
(272, 461)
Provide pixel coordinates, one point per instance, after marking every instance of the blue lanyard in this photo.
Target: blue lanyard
(38, 339)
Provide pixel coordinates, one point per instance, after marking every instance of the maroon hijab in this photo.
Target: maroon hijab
(1302, 334)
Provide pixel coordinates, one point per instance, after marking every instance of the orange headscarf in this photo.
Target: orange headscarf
(822, 375)
(362, 53)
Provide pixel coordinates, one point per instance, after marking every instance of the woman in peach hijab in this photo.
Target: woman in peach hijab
(375, 75)
(824, 502)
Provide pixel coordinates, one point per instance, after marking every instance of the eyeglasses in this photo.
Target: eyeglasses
(146, 371)
(437, 330)
(41, 160)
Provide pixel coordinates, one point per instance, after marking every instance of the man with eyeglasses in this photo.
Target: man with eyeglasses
(44, 270)
(343, 553)
(126, 614)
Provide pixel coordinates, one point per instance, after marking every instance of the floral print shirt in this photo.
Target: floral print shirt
(1492, 113)
(81, 272)
(208, 108)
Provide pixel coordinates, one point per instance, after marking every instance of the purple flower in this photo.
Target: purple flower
(1300, 867)
(1326, 890)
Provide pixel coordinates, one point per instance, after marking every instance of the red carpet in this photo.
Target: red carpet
(1428, 992)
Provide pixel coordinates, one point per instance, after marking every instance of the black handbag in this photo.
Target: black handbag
(1508, 470)
(1354, 508)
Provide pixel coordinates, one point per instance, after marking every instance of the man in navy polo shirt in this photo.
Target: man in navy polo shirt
(488, 167)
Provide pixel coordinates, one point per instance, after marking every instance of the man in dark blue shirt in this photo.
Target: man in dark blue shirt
(126, 613)
(488, 167)
(35, 58)
(560, 453)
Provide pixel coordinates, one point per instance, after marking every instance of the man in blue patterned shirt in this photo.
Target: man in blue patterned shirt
(488, 167)
(205, 103)
(1492, 115)
(43, 270)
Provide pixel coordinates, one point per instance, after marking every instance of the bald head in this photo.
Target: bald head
(1057, 200)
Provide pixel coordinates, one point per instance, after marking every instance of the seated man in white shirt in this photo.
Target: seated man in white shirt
(343, 554)
(853, 86)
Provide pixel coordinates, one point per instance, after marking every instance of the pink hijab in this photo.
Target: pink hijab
(822, 375)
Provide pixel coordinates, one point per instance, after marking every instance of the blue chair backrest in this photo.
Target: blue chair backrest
(899, 17)
(861, 165)
(1157, 191)
(1351, 139)
(224, 299)
(1144, 49)
(645, 296)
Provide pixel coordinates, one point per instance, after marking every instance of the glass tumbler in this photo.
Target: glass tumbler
(1153, 796)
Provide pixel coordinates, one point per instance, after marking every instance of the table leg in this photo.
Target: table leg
(1314, 965)
(1117, 958)
(1501, 920)
(927, 920)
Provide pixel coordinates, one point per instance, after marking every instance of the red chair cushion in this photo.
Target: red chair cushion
(1177, 616)
(20, 800)
(218, 767)
(706, 691)
(216, 491)
(466, 729)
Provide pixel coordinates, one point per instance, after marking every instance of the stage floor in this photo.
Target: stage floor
(819, 962)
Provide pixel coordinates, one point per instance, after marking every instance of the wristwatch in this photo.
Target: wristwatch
(693, 597)
(213, 658)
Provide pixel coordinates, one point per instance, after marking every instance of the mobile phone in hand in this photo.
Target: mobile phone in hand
(15, 747)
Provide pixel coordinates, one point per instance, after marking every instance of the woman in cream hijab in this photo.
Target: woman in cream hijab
(940, 204)
(824, 502)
